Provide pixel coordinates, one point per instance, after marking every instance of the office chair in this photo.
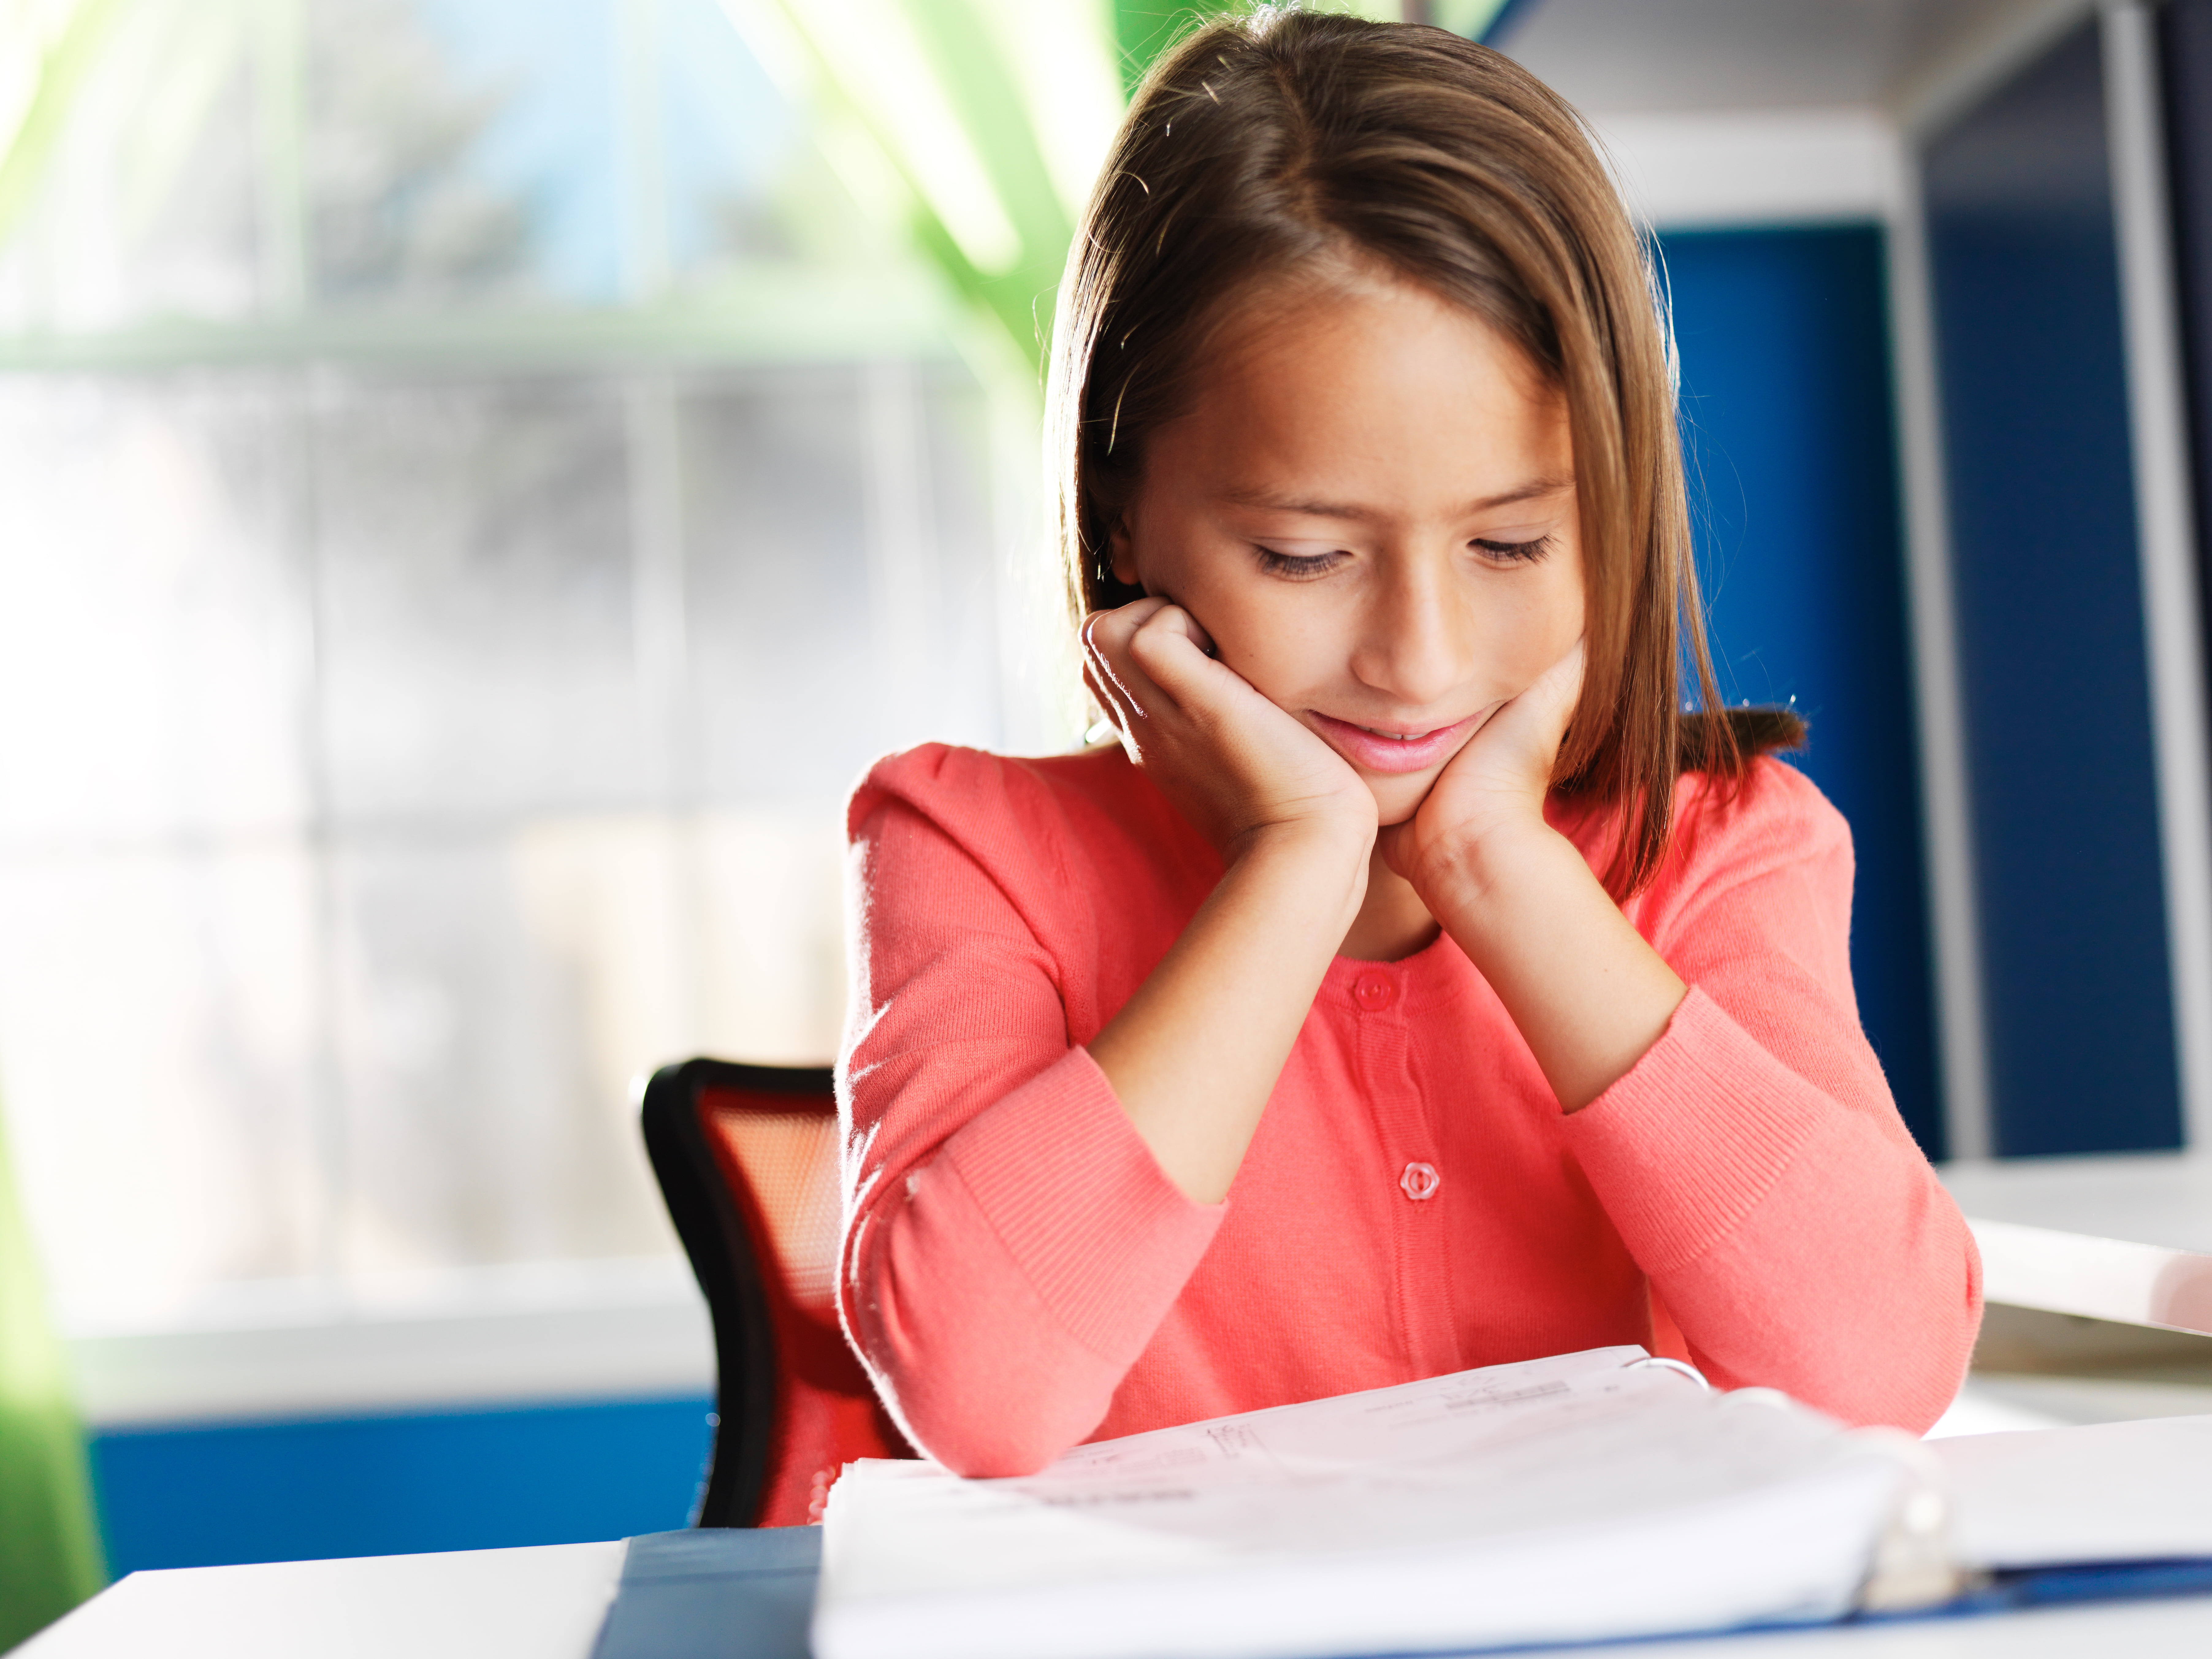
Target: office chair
(747, 1160)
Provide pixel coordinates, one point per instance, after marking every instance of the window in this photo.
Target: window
(475, 490)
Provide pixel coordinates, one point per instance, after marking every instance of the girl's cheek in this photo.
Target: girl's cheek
(1266, 676)
(1553, 633)
(1522, 650)
(1266, 649)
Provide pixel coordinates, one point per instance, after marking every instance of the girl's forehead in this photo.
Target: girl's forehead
(1364, 321)
(1391, 376)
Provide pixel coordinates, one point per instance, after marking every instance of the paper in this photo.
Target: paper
(2108, 1491)
(1572, 1497)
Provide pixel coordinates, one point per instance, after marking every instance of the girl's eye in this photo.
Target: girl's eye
(1514, 552)
(1298, 566)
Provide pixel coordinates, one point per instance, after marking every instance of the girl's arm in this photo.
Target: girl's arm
(1754, 1161)
(1023, 1213)
(1589, 994)
(1009, 1246)
(1740, 1132)
(1194, 1054)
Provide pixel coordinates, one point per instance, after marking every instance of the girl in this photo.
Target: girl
(1414, 986)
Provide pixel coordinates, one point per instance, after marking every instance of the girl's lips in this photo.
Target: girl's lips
(1373, 752)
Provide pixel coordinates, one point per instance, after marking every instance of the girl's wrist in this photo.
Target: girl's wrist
(1327, 842)
(1303, 867)
(1464, 874)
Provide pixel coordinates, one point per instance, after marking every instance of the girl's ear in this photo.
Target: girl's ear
(1121, 551)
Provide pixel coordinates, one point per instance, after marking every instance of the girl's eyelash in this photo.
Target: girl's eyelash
(1301, 565)
(1517, 552)
(1297, 564)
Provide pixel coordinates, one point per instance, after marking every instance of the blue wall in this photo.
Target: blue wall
(189, 1496)
(2184, 45)
(1788, 424)
(2051, 624)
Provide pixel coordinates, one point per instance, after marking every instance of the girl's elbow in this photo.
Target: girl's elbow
(982, 1431)
(984, 1406)
(990, 1456)
(1912, 1378)
(1913, 1324)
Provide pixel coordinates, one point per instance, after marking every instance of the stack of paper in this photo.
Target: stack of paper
(1576, 1497)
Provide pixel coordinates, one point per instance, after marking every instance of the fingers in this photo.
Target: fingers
(1171, 653)
(1135, 657)
(1124, 691)
(1231, 761)
(1105, 635)
(1151, 668)
(1522, 740)
(1173, 620)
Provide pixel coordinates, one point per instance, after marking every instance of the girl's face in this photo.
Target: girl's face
(1371, 509)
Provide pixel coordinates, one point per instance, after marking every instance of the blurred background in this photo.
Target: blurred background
(479, 479)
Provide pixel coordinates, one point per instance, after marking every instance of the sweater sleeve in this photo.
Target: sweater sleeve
(1754, 1160)
(1010, 1243)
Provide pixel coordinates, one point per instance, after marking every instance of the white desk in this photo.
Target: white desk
(2122, 1238)
(543, 1603)
(547, 1604)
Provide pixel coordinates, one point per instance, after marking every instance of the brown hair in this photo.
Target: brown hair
(1263, 147)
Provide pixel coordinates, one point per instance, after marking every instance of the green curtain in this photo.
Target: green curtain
(50, 1555)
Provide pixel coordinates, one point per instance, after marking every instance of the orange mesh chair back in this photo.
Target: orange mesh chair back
(747, 1160)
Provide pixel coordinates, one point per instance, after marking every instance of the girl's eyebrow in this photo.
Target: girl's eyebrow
(1316, 509)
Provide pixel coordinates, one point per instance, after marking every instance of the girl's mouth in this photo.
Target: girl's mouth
(1374, 749)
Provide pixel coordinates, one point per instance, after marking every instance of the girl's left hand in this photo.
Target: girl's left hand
(1495, 786)
(1590, 994)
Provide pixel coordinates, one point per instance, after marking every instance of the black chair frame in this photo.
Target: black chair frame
(716, 1239)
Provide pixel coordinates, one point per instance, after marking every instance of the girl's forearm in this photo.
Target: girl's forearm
(1193, 1055)
(1589, 995)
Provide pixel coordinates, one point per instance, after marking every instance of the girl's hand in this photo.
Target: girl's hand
(1495, 787)
(1238, 767)
(1195, 1053)
(1590, 994)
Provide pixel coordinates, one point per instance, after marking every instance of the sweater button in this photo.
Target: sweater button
(1374, 993)
(1420, 1181)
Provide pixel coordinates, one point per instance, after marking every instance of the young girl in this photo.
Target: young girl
(1414, 986)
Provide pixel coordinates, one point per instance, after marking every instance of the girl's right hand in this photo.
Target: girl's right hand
(1240, 768)
(1195, 1053)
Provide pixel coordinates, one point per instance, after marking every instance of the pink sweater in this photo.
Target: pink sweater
(1019, 1276)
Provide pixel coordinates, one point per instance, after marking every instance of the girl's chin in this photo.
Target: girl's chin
(1398, 798)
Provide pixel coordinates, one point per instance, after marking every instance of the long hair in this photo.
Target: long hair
(1270, 145)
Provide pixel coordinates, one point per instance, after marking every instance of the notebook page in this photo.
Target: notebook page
(1585, 1498)
(1378, 1425)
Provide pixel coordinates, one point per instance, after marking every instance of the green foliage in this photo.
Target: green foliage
(981, 85)
(1143, 29)
(63, 57)
(50, 1556)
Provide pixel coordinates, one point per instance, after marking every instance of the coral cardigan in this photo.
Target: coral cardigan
(1019, 1275)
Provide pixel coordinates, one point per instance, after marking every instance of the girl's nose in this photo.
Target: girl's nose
(1409, 648)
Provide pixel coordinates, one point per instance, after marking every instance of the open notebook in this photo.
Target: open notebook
(1578, 1497)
